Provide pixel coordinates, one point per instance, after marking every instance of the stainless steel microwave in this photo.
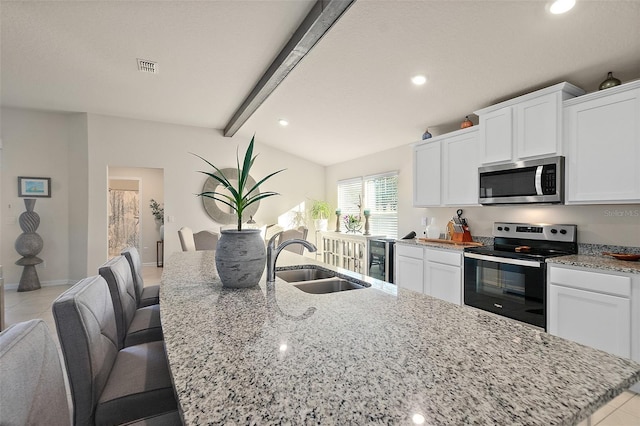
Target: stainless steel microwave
(524, 182)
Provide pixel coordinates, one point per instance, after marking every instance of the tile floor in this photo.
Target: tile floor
(624, 410)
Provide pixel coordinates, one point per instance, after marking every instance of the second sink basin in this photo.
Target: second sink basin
(330, 285)
(306, 274)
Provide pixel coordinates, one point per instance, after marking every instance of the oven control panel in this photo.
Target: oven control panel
(535, 231)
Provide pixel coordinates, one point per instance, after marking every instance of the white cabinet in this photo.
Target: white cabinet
(430, 271)
(496, 137)
(409, 267)
(443, 275)
(426, 174)
(446, 170)
(460, 168)
(603, 146)
(529, 126)
(592, 308)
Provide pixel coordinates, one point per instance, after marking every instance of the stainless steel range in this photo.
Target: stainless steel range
(510, 278)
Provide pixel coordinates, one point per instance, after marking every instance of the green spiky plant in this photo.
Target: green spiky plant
(240, 197)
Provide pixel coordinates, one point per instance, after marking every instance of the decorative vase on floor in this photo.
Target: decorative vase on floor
(28, 245)
(240, 257)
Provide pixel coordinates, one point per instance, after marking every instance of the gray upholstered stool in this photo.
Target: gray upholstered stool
(32, 390)
(134, 325)
(108, 386)
(145, 296)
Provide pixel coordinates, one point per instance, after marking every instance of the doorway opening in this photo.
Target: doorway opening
(131, 217)
(124, 215)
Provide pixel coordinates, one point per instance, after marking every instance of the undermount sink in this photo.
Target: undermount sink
(317, 280)
(305, 274)
(329, 285)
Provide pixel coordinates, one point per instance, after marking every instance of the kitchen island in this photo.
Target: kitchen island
(274, 354)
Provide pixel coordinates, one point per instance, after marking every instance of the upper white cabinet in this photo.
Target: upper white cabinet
(446, 170)
(460, 168)
(603, 146)
(426, 174)
(529, 126)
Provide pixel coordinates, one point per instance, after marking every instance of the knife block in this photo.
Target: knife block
(462, 237)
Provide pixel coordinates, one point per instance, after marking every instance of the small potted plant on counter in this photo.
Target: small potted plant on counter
(320, 212)
(240, 254)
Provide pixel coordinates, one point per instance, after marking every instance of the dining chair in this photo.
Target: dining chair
(134, 325)
(145, 296)
(109, 386)
(290, 234)
(205, 240)
(32, 389)
(186, 239)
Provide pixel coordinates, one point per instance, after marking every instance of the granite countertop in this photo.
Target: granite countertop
(276, 355)
(598, 262)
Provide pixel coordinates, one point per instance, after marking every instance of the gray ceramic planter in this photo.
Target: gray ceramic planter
(240, 257)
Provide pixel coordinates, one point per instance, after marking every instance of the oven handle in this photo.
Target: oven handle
(519, 262)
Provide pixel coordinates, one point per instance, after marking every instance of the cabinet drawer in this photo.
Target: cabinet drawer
(591, 281)
(447, 257)
(409, 251)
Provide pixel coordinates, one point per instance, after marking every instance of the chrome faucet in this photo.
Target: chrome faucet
(273, 252)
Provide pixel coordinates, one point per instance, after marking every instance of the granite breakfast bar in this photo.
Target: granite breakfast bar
(277, 355)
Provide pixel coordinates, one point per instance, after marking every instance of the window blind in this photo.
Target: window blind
(381, 199)
(376, 193)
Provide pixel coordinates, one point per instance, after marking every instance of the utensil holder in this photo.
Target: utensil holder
(462, 237)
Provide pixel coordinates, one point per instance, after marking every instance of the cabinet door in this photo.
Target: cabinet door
(409, 273)
(603, 137)
(538, 131)
(426, 175)
(444, 282)
(593, 319)
(460, 172)
(496, 136)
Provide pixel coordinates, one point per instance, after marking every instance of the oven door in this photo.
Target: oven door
(514, 288)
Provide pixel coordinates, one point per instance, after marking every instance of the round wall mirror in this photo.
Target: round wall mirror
(220, 212)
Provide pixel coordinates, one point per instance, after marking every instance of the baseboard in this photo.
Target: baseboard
(14, 286)
(150, 264)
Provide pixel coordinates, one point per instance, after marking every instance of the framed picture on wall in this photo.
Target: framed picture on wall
(34, 187)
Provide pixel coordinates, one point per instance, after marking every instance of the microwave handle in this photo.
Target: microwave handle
(539, 180)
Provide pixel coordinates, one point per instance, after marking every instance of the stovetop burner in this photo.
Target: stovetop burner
(530, 241)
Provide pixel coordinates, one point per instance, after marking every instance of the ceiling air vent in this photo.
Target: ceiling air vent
(147, 66)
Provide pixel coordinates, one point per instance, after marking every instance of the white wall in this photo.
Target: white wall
(76, 150)
(35, 144)
(136, 143)
(597, 224)
(151, 186)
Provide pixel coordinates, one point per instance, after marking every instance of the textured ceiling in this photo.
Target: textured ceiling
(349, 97)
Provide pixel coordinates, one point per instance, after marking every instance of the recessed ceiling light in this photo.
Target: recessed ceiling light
(418, 80)
(283, 122)
(561, 6)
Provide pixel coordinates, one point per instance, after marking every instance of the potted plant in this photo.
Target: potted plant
(320, 212)
(157, 210)
(240, 254)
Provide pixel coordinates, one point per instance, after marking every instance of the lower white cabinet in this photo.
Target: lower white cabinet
(592, 308)
(443, 275)
(409, 267)
(433, 272)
